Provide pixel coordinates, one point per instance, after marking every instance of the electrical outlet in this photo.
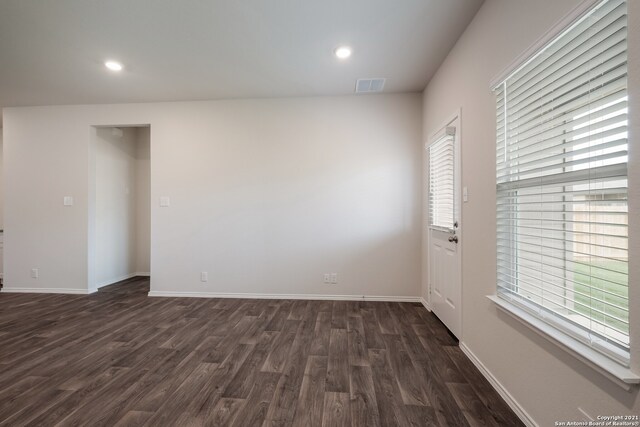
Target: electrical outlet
(334, 278)
(204, 276)
(327, 278)
(34, 273)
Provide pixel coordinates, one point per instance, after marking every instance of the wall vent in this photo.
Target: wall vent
(369, 85)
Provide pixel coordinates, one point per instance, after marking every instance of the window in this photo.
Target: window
(441, 181)
(562, 182)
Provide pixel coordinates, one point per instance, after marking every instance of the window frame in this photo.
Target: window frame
(612, 365)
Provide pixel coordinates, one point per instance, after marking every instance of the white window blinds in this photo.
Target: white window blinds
(562, 182)
(442, 182)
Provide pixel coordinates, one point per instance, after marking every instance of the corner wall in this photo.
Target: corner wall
(143, 201)
(548, 384)
(265, 195)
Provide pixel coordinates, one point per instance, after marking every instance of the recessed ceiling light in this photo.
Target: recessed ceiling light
(343, 52)
(113, 65)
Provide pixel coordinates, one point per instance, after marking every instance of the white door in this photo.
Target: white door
(444, 227)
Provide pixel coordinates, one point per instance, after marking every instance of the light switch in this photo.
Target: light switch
(164, 201)
(465, 194)
(68, 201)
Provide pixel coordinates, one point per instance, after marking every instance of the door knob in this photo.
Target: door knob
(453, 239)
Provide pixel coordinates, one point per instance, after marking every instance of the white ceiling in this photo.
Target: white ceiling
(52, 51)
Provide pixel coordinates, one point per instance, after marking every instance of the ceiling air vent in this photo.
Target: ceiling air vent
(369, 85)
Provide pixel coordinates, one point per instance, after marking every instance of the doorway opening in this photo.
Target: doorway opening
(119, 205)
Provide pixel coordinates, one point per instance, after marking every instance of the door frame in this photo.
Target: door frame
(91, 261)
(454, 119)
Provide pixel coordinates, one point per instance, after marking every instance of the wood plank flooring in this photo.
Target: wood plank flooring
(120, 358)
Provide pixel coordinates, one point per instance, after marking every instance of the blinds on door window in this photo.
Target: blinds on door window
(562, 182)
(442, 181)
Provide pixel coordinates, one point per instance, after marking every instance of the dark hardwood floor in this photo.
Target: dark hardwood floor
(121, 358)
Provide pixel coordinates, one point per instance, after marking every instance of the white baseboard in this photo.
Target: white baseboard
(283, 296)
(502, 391)
(143, 274)
(15, 290)
(426, 304)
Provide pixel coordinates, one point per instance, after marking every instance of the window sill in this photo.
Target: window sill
(622, 376)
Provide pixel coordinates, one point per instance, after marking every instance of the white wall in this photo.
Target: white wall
(266, 195)
(143, 201)
(122, 204)
(1, 183)
(548, 383)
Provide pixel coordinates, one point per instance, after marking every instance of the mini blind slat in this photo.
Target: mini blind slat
(601, 290)
(522, 222)
(616, 171)
(595, 95)
(609, 54)
(528, 238)
(553, 303)
(561, 175)
(593, 192)
(553, 168)
(551, 288)
(555, 250)
(596, 316)
(504, 248)
(588, 28)
(528, 162)
(612, 79)
(575, 233)
(620, 241)
(570, 130)
(609, 57)
(565, 124)
(550, 262)
(441, 183)
(611, 39)
(527, 201)
(568, 120)
(570, 314)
